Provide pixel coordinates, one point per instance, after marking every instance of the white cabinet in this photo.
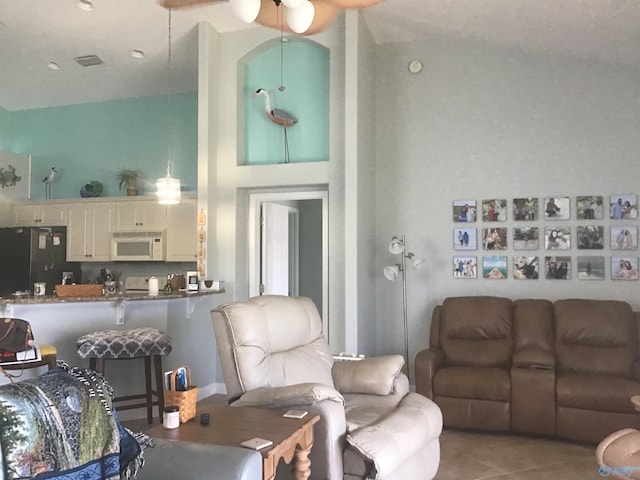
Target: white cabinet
(40, 214)
(147, 215)
(182, 241)
(89, 228)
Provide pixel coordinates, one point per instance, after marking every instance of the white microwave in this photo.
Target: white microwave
(137, 246)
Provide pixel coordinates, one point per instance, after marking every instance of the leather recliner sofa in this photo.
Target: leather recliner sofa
(566, 368)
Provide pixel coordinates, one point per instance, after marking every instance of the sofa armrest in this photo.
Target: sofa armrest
(388, 443)
(374, 375)
(635, 371)
(427, 362)
(533, 357)
(290, 396)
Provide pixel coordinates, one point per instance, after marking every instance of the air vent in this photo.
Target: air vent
(88, 60)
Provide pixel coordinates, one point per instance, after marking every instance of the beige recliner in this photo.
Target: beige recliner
(274, 355)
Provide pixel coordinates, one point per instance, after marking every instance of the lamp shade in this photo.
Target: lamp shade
(245, 10)
(300, 18)
(416, 262)
(396, 246)
(168, 190)
(391, 272)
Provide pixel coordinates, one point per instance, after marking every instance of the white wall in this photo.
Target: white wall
(482, 122)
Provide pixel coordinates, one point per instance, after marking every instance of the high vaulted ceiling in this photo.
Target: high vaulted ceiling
(35, 32)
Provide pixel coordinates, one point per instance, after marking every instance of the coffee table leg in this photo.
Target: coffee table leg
(302, 464)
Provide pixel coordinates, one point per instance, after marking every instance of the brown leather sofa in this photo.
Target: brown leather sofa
(566, 368)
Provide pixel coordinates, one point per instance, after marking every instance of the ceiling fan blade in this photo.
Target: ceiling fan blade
(185, 3)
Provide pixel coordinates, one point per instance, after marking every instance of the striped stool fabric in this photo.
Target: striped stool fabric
(147, 343)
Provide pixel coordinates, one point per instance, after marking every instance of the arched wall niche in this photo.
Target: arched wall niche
(302, 67)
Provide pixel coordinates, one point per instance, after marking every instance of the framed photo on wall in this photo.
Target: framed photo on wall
(465, 267)
(624, 268)
(15, 176)
(465, 239)
(557, 238)
(494, 238)
(494, 268)
(525, 268)
(464, 211)
(590, 237)
(590, 207)
(623, 206)
(494, 210)
(590, 268)
(557, 268)
(624, 237)
(526, 238)
(525, 208)
(557, 208)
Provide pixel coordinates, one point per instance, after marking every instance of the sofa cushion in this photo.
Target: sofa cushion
(596, 392)
(480, 383)
(595, 337)
(533, 324)
(477, 331)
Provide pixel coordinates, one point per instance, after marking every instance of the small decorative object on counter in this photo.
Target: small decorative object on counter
(192, 282)
(153, 287)
(39, 288)
(167, 287)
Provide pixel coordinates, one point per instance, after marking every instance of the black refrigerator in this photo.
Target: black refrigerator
(34, 254)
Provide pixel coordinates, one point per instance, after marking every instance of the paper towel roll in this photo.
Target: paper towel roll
(153, 286)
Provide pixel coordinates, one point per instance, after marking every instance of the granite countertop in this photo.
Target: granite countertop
(129, 296)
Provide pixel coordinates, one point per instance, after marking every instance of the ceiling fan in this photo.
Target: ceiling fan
(302, 16)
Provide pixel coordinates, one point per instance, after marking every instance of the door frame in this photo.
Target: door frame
(255, 202)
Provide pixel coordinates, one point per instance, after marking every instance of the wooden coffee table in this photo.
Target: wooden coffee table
(292, 438)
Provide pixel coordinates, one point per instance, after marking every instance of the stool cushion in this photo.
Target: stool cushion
(138, 342)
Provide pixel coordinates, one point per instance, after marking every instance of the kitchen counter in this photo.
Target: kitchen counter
(128, 296)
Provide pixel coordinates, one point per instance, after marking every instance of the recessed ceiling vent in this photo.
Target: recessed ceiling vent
(88, 60)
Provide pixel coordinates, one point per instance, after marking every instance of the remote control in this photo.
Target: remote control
(204, 419)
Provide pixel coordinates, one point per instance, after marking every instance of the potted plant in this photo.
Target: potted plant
(129, 177)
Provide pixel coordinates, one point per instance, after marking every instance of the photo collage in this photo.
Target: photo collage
(538, 226)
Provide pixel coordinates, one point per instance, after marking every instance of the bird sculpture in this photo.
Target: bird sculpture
(279, 117)
(48, 180)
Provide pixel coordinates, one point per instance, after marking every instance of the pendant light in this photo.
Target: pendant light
(168, 188)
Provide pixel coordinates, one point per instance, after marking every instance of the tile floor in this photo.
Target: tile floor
(474, 456)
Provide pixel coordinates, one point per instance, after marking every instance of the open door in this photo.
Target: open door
(278, 247)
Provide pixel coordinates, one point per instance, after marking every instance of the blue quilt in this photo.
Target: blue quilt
(61, 426)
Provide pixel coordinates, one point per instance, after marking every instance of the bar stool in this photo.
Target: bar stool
(49, 355)
(147, 343)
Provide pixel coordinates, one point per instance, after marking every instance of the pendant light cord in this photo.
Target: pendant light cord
(170, 106)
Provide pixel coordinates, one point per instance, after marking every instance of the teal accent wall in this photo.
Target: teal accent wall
(306, 97)
(4, 128)
(93, 141)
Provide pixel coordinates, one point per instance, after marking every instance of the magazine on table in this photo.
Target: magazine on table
(31, 355)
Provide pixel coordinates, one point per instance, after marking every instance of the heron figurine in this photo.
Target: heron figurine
(48, 180)
(279, 117)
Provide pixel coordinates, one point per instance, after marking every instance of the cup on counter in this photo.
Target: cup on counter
(109, 287)
(39, 288)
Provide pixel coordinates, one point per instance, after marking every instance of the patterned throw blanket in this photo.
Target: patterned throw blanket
(61, 426)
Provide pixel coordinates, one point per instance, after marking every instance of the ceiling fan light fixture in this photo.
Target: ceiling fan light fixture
(300, 18)
(292, 3)
(246, 10)
(85, 5)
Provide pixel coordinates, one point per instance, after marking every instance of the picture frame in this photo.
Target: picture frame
(494, 267)
(557, 268)
(465, 239)
(525, 209)
(624, 237)
(624, 268)
(622, 207)
(465, 266)
(494, 210)
(15, 176)
(526, 238)
(590, 207)
(525, 267)
(494, 238)
(557, 238)
(557, 208)
(590, 267)
(464, 211)
(590, 237)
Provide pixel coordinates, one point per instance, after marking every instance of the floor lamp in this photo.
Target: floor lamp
(397, 246)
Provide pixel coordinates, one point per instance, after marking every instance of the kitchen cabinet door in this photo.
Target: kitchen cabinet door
(137, 215)
(89, 232)
(182, 241)
(40, 215)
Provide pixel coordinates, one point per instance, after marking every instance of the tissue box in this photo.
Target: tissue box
(211, 285)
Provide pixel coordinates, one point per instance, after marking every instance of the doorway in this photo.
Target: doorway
(288, 246)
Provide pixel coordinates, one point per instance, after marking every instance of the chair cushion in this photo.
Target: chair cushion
(138, 342)
(373, 375)
(596, 392)
(480, 383)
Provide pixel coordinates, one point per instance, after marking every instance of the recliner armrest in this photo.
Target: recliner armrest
(373, 375)
(427, 362)
(532, 357)
(290, 396)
